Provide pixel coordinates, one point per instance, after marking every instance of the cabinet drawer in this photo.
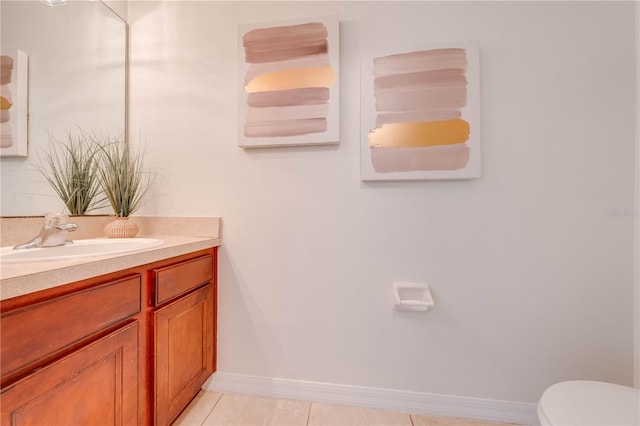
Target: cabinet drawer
(36, 332)
(178, 279)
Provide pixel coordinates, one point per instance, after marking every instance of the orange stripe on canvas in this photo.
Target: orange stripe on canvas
(294, 78)
(254, 70)
(420, 134)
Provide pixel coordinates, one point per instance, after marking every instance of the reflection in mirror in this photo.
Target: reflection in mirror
(77, 79)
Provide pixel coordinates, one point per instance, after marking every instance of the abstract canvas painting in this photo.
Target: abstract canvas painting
(289, 84)
(13, 104)
(421, 113)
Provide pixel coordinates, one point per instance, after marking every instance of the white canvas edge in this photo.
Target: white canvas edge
(332, 135)
(470, 113)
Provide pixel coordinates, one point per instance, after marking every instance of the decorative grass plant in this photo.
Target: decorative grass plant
(70, 167)
(123, 177)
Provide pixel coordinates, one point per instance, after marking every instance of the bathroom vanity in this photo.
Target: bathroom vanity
(130, 345)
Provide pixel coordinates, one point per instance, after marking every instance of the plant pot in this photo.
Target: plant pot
(122, 227)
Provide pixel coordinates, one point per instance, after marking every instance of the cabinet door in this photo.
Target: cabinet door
(95, 385)
(184, 345)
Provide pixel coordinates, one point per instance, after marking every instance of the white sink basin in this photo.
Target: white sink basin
(78, 249)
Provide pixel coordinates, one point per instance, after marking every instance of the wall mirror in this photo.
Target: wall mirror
(76, 79)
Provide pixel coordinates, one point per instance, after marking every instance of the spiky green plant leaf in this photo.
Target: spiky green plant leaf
(70, 167)
(123, 177)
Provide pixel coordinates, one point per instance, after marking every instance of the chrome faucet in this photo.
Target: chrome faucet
(53, 233)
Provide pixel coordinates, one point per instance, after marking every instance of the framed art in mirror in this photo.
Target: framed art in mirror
(13, 104)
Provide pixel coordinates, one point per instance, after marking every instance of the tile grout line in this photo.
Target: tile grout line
(311, 404)
(309, 413)
(212, 408)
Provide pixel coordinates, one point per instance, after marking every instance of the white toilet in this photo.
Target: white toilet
(583, 403)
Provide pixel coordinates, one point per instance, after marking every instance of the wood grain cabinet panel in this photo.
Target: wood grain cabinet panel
(57, 323)
(96, 385)
(184, 334)
(181, 278)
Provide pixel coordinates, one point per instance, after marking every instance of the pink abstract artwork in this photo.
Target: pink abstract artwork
(290, 89)
(13, 104)
(421, 113)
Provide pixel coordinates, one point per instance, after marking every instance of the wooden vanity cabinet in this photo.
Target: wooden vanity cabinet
(128, 348)
(184, 321)
(72, 359)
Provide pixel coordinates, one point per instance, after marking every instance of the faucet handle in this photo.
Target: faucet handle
(54, 220)
(53, 232)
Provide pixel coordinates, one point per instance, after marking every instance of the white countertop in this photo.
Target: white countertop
(17, 279)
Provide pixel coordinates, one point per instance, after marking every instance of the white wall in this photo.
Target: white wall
(532, 266)
(637, 208)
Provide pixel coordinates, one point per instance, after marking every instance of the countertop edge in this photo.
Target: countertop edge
(53, 274)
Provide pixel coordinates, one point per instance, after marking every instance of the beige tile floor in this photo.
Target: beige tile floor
(232, 409)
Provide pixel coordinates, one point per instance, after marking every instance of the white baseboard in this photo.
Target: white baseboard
(385, 399)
